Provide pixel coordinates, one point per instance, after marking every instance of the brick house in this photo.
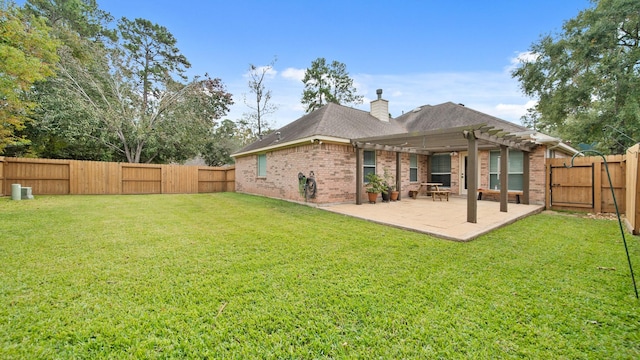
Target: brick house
(337, 146)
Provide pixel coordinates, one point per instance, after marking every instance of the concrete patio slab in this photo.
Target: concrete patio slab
(443, 219)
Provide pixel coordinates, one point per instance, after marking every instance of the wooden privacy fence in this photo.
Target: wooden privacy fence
(74, 177)
(585, 186)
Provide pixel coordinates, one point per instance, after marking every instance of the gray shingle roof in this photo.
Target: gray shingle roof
(450, 115)
(339, 121)
(330, 120)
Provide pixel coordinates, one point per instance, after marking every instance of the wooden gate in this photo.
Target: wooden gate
(572, 187)
(585, 186)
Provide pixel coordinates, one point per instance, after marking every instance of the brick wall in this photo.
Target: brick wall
(537, 176)
(334, 167)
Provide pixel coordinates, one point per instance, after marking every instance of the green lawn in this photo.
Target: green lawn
(236, 276)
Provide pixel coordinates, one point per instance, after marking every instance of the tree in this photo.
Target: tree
(173, 125)
(73, 18)
(222, 144)
(325, 83)
(27, 55)
(262, 105)
(152, 56)
(587, 78)
(59, 125)
(133, 104)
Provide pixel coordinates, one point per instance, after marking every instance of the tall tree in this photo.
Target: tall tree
(325, 83)
(587, 78)
(261, 104)
(152, 56)
(27, 55)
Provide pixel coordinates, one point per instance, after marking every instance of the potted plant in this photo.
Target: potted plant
(375, 185)
(393, 193)
(390, 183)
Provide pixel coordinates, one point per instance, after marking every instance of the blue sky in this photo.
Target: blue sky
(418, 52)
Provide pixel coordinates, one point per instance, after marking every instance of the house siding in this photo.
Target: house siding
(334, 169)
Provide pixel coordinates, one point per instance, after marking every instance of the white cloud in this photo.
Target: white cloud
(521, 57)
(293, 74)
(513, 110)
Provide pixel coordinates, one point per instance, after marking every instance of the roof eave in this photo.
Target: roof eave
(552, 142)
(319, 139)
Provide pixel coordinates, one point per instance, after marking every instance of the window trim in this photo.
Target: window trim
(413, 156)
(368, 166)
(261, 173)
(509, 171)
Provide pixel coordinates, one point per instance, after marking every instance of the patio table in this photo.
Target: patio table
(428, 188)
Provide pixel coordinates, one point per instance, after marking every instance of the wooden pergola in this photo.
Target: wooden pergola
(464, 138)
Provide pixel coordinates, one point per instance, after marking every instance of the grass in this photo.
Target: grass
(236, 276)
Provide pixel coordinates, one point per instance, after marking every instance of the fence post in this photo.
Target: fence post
(597, 187)
(2, 175)
(547, 188)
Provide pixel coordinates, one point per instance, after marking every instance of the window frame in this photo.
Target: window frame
(261, 171)
(370, 165)
(510, 173)
(413, 169)
(443, 155)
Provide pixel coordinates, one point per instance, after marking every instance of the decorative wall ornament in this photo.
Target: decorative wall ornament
(307, 186)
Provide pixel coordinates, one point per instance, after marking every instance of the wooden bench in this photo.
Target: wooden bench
(494, 192)
(432, 189)
(440, 194)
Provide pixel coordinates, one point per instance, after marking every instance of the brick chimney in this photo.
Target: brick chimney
(380, 107)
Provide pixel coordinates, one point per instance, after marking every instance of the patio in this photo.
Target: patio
(443, 219)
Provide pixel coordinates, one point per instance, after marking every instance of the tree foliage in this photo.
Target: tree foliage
(587, 78)
(325, 83)
(261, 105)
(151, 56)
(59, 127)
(27, 55)
(80, 17)
(171, 125)
(222, 143)
(120, 94)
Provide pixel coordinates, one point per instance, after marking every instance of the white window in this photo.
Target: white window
(441, 169)
(515, 173)
(262, 165)
(413, 167)
(369, 164)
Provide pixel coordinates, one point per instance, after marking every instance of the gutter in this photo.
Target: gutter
(544, 139)
(310, 139)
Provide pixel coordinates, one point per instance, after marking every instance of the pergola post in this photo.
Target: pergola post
(359, 180)
(504, 177)
(526, 174)
(399, 174)
(472, 178)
